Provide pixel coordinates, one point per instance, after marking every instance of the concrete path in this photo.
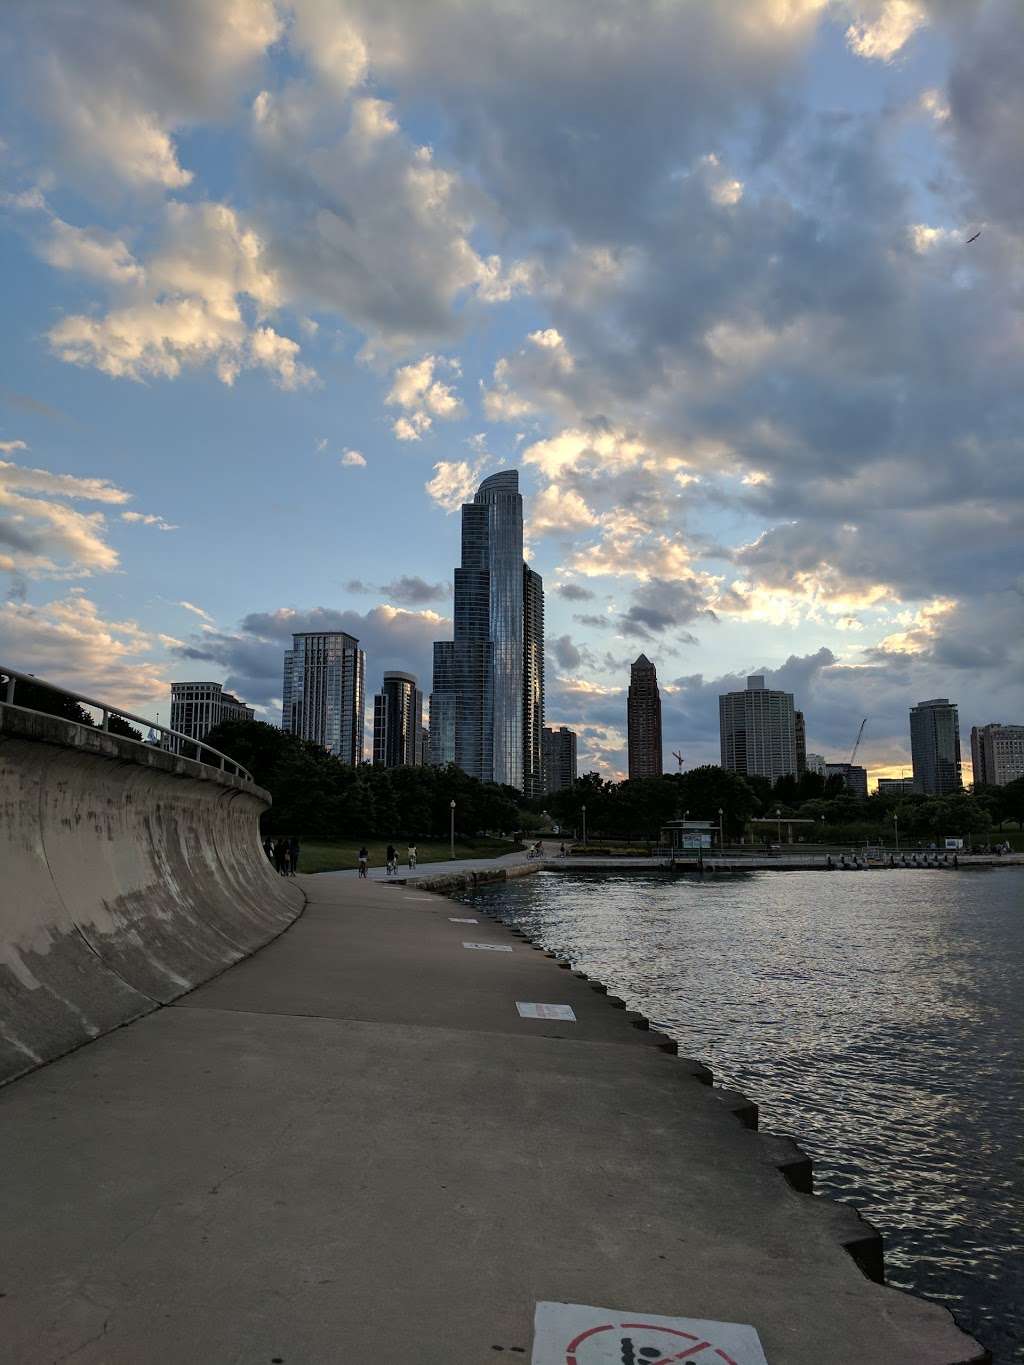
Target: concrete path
(422, 870)
(352, 1148)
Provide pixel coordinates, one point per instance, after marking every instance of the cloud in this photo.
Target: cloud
(893, 25)
(455, 482)
(41, 536)
(197, 611)
(189, 311)
(253, 655)
(423, 396)
(573, 592)
(9, 447)
(90, 252)
(69, 642)
(148, 519)
(353, 458)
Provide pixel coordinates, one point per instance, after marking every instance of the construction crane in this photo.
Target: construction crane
(678, 758)
(856, 742)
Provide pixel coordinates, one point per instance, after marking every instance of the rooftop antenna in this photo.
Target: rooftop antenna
(678, 757)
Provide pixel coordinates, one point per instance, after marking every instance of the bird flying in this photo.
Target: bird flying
(974, 238)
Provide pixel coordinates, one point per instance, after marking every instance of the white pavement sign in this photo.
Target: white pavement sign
(532, 1011)
(456, 920)
(575, 1334)
(489, 947)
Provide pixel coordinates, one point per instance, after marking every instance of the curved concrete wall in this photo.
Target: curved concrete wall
(127, 877)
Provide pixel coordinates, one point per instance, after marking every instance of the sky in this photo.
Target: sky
(284, 279)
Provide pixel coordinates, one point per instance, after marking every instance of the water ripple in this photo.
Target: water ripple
(878, 1019)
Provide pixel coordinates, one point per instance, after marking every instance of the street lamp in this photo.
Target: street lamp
(778, 817)
(721, 834)
(583, 812)
(896, 827)
(451, 807)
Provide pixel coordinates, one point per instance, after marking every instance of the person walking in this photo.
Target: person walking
(293, 855)
(283, 856)
(391, 858)
(364, 859)
(412, 857)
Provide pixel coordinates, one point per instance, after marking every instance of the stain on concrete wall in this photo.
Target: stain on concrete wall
(127, 877)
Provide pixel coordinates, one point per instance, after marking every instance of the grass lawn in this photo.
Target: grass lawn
(318, 857)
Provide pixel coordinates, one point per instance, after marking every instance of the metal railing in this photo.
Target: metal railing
(170, 741)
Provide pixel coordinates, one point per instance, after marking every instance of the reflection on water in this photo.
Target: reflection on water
(877, 1017)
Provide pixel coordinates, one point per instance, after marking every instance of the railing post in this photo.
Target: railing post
(106, 719)
(9, 690)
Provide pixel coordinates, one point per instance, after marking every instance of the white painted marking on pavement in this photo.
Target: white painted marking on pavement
(489, 947)
(531, 1011)
(608, 1336)
(455, 920)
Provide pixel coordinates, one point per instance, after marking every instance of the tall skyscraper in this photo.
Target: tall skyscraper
(643, 720)
(196, 707)
(855, 778)
(935, 746)
(487, 704)
(398, 722)
(559, 758)
(323, 692)
(997, 752)
(800, 731)
(533, 683)
(758, 731)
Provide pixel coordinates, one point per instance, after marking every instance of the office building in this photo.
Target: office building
(197, 707)
(643, 720)
(559, 758)
(757, 729)
(997, 753)
(487, 703)
(935, 746)
(533, 683)
(800, 730)
(814, 763)
(896, 786)
(398, 722)
(855, 778)
(323, 692)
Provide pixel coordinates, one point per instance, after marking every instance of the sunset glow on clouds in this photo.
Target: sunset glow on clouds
(286, 278)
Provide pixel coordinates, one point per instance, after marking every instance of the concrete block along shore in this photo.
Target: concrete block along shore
(353, 1146)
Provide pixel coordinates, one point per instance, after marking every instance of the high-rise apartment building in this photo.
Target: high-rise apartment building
(398, 722)
(896, 786)
(559, 758)
(814, 763)
(757, 728)
(487, 704)
(935, 746)
(197, 707)
(643, 720)
(997, 753)
(323, 692)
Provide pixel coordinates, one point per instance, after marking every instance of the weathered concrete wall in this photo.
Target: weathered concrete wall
(127, 877)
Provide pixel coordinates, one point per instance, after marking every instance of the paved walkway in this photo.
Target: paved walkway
(352, 1148)
(379, 874)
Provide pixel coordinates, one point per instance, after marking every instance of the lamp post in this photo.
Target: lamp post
(721, 829)
(583, 812)
(778, 817)
(896, 827)
(451, 807)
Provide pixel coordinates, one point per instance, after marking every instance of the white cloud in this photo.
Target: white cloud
(424, 396)
(42, 536)
(354, 458)
(455, 482)
(187, 307)
(68, 642)
(560, 511)
(90, 252)
(197, 611)
(883, 36)
(9, 447)
(147, 519)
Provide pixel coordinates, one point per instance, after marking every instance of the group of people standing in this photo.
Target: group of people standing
(283, 852)
(390, 860)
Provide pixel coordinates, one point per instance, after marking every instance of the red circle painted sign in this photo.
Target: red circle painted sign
(642, 1343)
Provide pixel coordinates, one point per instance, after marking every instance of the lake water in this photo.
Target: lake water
(877, 1017)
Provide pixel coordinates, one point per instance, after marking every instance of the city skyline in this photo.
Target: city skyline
(282, 291)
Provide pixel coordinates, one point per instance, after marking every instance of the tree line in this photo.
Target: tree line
(317, 796)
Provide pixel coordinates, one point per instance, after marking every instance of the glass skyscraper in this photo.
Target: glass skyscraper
(487, 705)
(935, 746)
(397, 721)
(323, 692)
